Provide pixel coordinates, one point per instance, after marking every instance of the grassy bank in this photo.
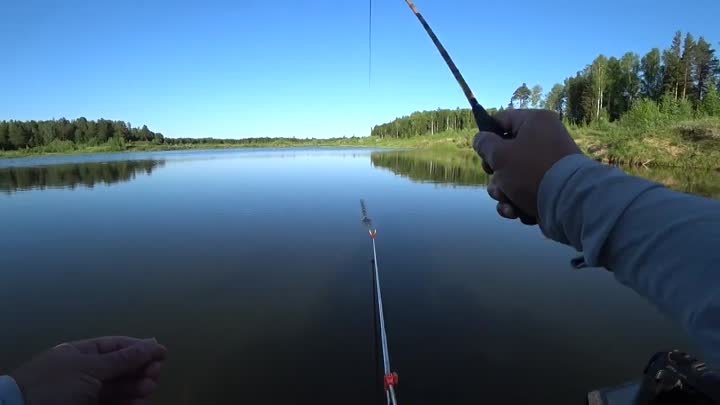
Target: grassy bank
(68, 148)
(692, 143)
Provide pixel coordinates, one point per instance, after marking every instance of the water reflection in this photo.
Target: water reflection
(464, 169)
(74, 175)
(700, 182)
(430, 166)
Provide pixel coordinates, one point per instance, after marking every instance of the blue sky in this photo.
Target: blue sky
(249, 68)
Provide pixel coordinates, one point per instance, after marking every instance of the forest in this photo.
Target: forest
(680, 82)
(662, 108)
(62, 135)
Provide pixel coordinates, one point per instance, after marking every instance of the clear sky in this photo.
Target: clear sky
(248, 68)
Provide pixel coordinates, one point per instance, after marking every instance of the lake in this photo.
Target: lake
(253, 268)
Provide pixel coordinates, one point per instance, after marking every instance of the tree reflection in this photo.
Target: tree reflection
(74, 175)
(429, 166)
(700, 182)
(463, 168)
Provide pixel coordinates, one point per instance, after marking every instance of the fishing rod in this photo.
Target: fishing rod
(390, 378)
(483, 120)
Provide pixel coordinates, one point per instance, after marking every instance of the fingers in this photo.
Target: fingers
(125, 389)
(105, 344)
(491, 148)
(507, 211)
(505, 207)
(129, 360)
(153, 371)
(133, 390)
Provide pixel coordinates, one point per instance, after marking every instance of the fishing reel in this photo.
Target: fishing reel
(669, 378)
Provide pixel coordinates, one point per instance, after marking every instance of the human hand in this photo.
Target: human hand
(518, 164)
(100, 371)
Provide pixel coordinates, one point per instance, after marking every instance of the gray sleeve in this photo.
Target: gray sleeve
(9, 392)
(663, 244)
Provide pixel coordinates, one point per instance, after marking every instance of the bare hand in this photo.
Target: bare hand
(101, 371)
(519, 164)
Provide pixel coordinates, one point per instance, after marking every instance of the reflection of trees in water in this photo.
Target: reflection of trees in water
(464, 168)
(447, 167)
(701, 182)
(72, 175)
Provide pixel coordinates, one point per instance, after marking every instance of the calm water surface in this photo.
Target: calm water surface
(253, 268)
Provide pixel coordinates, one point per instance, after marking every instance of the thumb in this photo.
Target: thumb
(491, 148)
(128, 360)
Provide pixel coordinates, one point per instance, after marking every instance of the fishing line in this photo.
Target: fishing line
(391, 378)
(370, 41)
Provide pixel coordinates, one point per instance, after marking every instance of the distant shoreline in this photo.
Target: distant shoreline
(689, 144)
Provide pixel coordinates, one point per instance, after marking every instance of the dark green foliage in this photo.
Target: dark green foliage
(676, 81)
(710, 105)
(624, 84)
(579, 106)
(434, 166)
(673, 66)
(677, 78)
(427, 123)
(4, 142)
(556, 98)
(58, 134)
(521, 96)
(706, 68)
(652, 73)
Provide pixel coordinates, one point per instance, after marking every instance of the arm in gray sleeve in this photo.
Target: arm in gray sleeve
(9, 392)
(663, 244)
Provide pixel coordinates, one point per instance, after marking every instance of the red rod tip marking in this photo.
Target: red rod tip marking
(391, 380)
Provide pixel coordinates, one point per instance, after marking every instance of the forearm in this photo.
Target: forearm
(665, 245)
(9, 392)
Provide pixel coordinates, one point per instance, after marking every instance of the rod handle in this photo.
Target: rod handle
(485, 122)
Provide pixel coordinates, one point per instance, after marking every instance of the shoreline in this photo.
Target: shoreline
(693, 144)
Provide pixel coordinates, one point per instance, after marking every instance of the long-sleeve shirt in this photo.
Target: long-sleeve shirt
(9, 392)
(663, 244)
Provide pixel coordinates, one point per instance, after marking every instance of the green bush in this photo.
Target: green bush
(116, 143)
(676, 110)
(711, 103)
(643, 115)
(58, 146)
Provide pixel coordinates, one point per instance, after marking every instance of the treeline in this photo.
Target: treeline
(249, 141)
(63, 135)
(427, 123)
(682, 80)
(32, 134)
(684, 76)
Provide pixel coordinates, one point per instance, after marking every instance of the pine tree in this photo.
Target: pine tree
(687, 63)
(522, 95)
(706, 66)
(673, 69)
